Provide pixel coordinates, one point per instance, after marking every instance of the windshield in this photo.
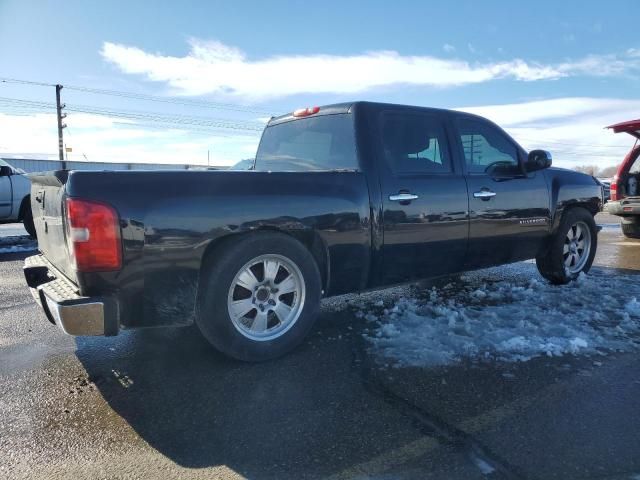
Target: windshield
(246, 164)
(315, 143)
(15, 170)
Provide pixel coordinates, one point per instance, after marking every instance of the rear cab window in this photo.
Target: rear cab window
(321, 143)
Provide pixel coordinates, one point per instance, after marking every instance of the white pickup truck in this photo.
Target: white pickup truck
(15, 195)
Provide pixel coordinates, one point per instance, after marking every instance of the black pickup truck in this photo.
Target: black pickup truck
(341, 198)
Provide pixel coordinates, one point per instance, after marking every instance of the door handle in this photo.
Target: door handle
(403, 197)
(484, 194)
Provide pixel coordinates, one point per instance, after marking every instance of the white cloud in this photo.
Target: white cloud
(571, 128)
(214, 68)
(448, 48)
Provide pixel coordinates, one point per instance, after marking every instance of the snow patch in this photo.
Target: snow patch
(633, 307)
(508, 320)
(483, 466)
(19, 248)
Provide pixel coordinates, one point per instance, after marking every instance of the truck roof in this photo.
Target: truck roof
(345, 107)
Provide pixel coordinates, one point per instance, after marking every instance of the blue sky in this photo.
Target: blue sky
(552, 74)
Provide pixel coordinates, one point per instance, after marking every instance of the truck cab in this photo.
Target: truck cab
(15, 190)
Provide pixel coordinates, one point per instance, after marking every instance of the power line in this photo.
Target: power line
(26, 82)
(146, 97)
(179, 119)
(182, 120)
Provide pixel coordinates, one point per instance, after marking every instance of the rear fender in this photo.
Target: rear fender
(310, 239)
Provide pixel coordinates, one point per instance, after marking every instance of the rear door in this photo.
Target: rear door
(5, 193)
(424, 197)
(5, 196)
(509, 210)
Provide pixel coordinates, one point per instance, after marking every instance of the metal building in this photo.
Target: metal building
(30, 165)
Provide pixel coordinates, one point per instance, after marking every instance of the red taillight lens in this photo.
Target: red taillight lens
(613, 189)
(93, 236)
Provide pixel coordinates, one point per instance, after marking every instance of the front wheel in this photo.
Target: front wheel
(572, 249)
(259, 297)
(27, 220)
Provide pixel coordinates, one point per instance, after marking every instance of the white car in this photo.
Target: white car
(15, 198)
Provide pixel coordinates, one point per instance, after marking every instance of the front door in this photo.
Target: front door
(5, 196)
(509, 210)
(424, 198)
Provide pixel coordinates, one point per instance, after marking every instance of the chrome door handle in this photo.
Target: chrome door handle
(484, 194)
(403, 197)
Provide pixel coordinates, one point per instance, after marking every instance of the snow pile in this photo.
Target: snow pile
(509, 320)
(17, 243)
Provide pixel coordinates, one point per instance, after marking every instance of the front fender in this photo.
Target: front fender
(569, 189)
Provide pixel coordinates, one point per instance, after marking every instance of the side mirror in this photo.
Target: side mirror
(538, 160)
(5, 171)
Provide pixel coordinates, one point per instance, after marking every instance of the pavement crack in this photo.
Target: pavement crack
(489, 463)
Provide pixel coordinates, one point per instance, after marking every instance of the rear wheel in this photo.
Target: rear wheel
(259, 297)
(27, 219)
(630, 227)
(572, 248)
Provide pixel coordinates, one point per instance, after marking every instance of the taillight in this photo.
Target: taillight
(305, 112)
(613, 188)
(93, 236)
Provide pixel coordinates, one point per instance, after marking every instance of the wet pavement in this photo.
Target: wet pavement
(162, 403)
(12, 229)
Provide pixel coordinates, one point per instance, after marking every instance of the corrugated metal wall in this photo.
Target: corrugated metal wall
(35, 165)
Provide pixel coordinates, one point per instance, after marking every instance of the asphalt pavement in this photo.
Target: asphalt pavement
(162, 403)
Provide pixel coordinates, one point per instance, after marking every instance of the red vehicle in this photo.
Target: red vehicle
(625, 191)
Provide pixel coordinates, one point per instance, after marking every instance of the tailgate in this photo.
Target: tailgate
(47, 192)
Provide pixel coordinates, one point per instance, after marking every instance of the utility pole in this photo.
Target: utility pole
(61, 116)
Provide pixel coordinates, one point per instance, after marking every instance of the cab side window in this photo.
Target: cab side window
(486, 147)
(414, 143)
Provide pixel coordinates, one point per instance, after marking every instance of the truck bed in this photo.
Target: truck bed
(169, 219)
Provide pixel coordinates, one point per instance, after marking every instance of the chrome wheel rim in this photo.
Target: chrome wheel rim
(266, 297)
(577, 247)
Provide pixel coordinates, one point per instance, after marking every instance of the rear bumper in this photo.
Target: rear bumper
(64, 307)
(624, 207)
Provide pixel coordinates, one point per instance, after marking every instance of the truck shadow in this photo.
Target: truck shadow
(13, 256)
(307, 412)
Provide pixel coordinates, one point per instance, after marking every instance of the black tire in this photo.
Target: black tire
(551, 265)
(219, 273)
(630, 228)
(27, 219)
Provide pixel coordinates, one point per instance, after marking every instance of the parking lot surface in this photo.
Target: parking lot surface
(385, 387)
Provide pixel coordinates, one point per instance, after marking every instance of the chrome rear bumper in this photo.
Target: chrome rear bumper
(62, 304)
(623, 207)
